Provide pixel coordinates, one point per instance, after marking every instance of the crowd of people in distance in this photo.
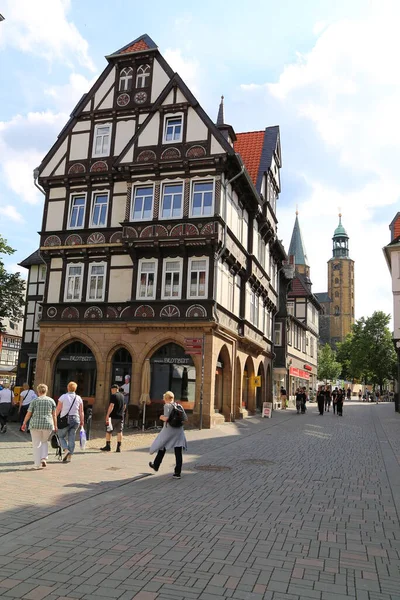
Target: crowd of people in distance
(42, 417)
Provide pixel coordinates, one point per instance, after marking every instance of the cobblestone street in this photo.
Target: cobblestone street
(289, 508)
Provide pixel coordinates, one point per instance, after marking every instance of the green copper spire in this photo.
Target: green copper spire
(340, 230)
(340, 241)
(297, 248)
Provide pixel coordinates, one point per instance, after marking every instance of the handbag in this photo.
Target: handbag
(62, 422)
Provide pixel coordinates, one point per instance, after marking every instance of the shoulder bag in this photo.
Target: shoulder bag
(62, 422)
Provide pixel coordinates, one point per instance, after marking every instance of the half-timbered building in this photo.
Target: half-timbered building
(159, 227)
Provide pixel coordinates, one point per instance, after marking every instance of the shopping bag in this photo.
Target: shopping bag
(82, 438)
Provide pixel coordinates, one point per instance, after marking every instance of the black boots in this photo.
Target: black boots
(107, 447)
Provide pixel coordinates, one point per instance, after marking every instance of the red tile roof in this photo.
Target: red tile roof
(140, 45)
(396, 228)
(250, 145)
(298, 288)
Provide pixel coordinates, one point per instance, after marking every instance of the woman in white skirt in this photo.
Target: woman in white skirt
(169, 437)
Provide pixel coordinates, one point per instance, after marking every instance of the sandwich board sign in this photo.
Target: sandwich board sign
(267, 410)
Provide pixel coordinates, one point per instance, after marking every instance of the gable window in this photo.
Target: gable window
(172, 278)
(125, 79)
(142, 209)
(96, 281)
(202, 198)
(143, 76)
(147, 279)
(99, 209)
(74, 277)
(198, 277)
(76, 219)
(101, 140)
(171, 203)
(278, 334)
(173, 129)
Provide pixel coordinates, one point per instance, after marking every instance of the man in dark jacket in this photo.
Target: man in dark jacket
(321, 399)
(114, 418)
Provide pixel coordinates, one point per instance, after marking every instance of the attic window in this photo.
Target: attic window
(125, 79)
(142, 76)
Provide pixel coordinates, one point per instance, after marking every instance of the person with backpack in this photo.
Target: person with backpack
(172, 435)
(26, 396)
(70, 416)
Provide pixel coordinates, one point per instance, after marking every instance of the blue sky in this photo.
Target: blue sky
(326, 72)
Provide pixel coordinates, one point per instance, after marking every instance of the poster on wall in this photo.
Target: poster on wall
(267, 410)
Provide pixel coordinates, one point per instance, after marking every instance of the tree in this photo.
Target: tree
(12, 289)
(328, 367)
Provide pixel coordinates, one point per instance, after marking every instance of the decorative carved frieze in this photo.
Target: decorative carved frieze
(76, 169)
(99, 166)
(73, 240)
(196, 311)
(93, 312)
(147, 156)
(144, 310)
(96, 238)
(52, 240)
(170, 311)
(170, 154)
(196, 151)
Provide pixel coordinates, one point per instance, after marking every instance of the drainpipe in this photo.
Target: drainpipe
(35, 178)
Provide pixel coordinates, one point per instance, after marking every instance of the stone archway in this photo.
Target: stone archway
(238, 390)
(75, 362)
(268, 385)
(261, 389)
(223, 385)
(248, 387)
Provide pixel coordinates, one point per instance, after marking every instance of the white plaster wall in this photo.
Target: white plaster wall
(87, 107)
(53, 293)
(125, 131)
(59, 192)
(61, 168)
(32, 289)
(56, 263)
(149, 136)
(79, 146)
(30, 307)
(40, 289)
(82, 126)
(121, 260)
(28, 337)
(120, 187)
(108, 100)
(33, 275)
(160, 80)
(395, 271)
(109, 80)
(55, 214)
(118, 210)
(53, 162)
(128, 156)
(143, 117)
(196, 129)
(180, 97)
(300, 311)
(169, 99)
(216, 147)
(120, 285)
(35, 337)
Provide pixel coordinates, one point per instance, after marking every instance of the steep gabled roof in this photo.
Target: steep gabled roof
(142, 43)
(297, 248)
(257, 149)
(323, 297)
(33, 259)
(301, 288)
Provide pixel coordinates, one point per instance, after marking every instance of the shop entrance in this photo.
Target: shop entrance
(122, 370)
(75, 362)
(172, 369)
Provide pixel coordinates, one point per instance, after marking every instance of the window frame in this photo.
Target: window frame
(126, 78)
(94, 194)
(41, 277)
(193, 182)
(133, 197)
(68, 266)
(161, 206)
(207, 268)
(101, 154)
(141, 262)
(72, 196)
(164, 273)
(278, 330)
(96, 264)
(172, 116)
(144, 75)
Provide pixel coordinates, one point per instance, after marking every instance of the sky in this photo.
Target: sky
(325, 72)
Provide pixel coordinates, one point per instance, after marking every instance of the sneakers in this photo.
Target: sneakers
(67, 457)
(151, 465)
(106, 448)
(43, 463)
(175, 476)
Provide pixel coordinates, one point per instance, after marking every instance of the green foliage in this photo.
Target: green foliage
(12, 289)
(368, 353)
(328, 367)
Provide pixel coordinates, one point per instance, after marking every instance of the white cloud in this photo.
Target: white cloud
(188, 69)
(41, 27)
(65, 97)
(10, 213)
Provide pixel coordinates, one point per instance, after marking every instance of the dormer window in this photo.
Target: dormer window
(125, 79)
(143, 76)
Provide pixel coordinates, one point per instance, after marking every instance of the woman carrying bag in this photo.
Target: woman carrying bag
(42, 416)
(70, 417)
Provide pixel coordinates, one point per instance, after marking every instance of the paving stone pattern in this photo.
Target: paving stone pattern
(306, 510)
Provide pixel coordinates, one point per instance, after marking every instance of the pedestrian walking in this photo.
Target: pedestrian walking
(334, 399)
(328, 398)
(359, 395)
(6, 402)
(115, 418)
(283, 398)
(172, 435)
(26, 396)
(339, 402)
(304, 401)
(70, 410)
(377, 396)
(125, 389)
(321, 399)
(348, 394)
(299, 400)
(41, 415)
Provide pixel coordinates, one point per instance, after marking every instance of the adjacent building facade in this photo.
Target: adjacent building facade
(159, 228)
(10, 343)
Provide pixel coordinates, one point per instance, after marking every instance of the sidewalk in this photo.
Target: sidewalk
(289, 508)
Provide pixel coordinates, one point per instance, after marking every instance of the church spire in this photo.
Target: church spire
(297, 248)
(220, 117)
(340, 241)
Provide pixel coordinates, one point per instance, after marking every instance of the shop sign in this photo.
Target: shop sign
(172, 361)
(267, 410)
(193, 345)
(257, 381)
(78, 358)
(299, 373)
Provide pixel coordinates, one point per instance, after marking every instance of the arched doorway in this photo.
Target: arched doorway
(223, 385)
(248, 399)
(76, 362)
(121, 371)
(268, 386)
(260, 390)
(172, 369)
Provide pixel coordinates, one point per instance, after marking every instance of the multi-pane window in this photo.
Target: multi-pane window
(99, 209)
(142, 209)
(312, 347)
(76, 218)
(74, 277)
(278, 334)
(125, 79)
(173, 129)
(143, 76)
(96, 281)
(171, 203)
(254, 308)
(101, 141)
(202, 198)
(147, 279)
(198, 278)
(172, 279)
(42, 273)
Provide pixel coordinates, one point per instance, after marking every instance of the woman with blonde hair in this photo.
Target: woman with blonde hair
(70, 405)
(42, 416)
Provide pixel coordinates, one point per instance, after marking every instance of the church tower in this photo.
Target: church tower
(340, 286)
(297, 249)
